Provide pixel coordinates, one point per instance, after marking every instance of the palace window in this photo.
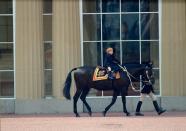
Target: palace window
(47, 37)
(131, 27)
(7, 44)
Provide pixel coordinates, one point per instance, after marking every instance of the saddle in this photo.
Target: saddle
(101, 73)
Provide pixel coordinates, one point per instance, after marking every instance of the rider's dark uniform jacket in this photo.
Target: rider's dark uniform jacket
(111, 61)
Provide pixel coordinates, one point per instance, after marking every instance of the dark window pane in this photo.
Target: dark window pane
(110, 5)
(6, 7)
(91, 28)
(48, 55)
(115, 46)
(47, 25)
(149, 5)
(107, 93)
(7, 84)
(91, 6)
(130, 27)
(111, 27)
(157, 82)
(48, 82)
(47, 6)
(131, 52)
(6, 29)
(149, 26)
(6, 57)
(150, 52)
(92, 54)
(130, 5)
(94, 92)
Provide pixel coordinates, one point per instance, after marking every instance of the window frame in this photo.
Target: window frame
(14, 50)
(44, 43)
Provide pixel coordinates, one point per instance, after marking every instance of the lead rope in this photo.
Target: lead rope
(128, 74)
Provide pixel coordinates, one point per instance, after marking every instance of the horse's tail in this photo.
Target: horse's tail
(67, 85)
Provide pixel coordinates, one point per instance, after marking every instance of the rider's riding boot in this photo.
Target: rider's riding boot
(110, 75)
(158, 109)
(138, 113)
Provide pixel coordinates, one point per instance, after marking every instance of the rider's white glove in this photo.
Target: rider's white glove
(109, 69)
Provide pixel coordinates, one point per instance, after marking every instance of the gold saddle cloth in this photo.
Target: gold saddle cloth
(101, 73)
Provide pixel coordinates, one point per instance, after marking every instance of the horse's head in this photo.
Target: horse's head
(137, 70)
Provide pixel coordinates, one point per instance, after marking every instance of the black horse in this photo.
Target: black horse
(83, 80)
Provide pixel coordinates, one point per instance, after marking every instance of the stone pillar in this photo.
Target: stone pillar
(173, 48)
(29, 49)
(66, 41)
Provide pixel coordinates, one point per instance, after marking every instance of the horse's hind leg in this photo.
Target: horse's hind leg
(83, 98)
(124, 105)
(114, 97)
(76, 97)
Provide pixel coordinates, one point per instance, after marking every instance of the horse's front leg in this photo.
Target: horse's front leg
(124, 105)
(114, 97)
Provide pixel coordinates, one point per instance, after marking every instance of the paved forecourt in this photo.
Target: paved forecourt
(169, 121)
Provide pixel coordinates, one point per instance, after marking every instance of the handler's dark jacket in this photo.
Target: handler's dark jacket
(111, 61)
(147, 86)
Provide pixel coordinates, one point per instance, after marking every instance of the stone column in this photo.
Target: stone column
(29, 49)
(66, 41)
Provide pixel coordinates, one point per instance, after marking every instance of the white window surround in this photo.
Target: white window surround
(47, 69)
(12, 42)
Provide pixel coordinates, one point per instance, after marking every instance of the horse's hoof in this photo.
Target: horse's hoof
(104, 113)
(139, 114)
(90, 114)
(127, 114)
(77, 115)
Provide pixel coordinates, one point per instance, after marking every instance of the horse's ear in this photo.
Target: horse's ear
(150, 63)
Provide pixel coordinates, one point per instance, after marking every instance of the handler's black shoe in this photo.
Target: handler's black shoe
(161, 111)
(158, 109)
(139, 114)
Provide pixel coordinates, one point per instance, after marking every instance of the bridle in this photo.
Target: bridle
(130, 75)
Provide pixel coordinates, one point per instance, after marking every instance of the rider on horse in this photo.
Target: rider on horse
(111, 63)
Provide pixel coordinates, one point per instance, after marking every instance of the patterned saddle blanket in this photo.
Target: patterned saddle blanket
(101, 73)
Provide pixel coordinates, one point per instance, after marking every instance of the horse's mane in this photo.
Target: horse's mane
(135, 64)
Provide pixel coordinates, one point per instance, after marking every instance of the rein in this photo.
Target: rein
(129, 76)
(137, 78)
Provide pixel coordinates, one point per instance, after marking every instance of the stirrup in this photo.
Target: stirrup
(110, 75)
